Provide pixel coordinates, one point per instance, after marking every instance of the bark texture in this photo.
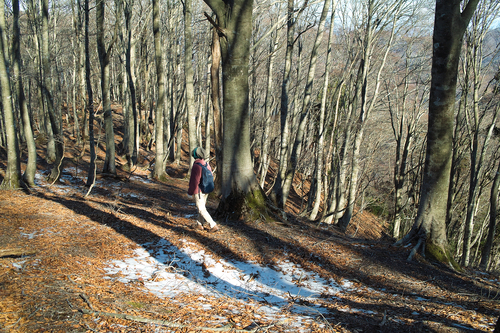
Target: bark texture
(430, 224)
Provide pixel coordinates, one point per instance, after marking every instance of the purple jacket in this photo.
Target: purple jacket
(194, 181)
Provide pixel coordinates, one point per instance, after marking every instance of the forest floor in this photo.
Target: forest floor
(126, 258)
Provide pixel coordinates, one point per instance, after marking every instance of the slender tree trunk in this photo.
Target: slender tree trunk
(332, 161)
(81, 74)
(29, 173)
(216, 110)
(104, 56)
(159, 167)
(365, 107)
(76, 64)
(264, 158)
(47, 93)
(189, 76)
(90, 103)
(131, 144)
(474, 63)
(12, 179)
(485, 259)
(277, 191)
(321, 128)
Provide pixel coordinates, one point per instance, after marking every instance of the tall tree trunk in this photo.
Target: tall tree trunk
(239, 185)
(77, 65)
(306, 101)
(104, 56)
(330, 200)
(277, 191)
(132, 142)
(485, 258)
(264, 157)
(47, 93)
(429, 227)
(90, 103)
(159, 167)
(189, 77)
(216, 110)
(12, 179)
(29, 173)
(321, 128)
(474, 63)
(365, 107)
(81, 75)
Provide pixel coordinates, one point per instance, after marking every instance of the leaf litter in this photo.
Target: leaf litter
(129, 250)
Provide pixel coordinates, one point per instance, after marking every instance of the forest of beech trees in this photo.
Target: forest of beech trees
(375, 105)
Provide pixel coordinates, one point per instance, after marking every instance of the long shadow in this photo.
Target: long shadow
(266, 243)
(417, 270)
(152, 241)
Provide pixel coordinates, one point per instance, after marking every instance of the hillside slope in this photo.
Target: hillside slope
(126, 259)
(74, 241)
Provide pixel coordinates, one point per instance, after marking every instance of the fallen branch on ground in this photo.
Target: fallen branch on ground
(226, 328)
(16, 253)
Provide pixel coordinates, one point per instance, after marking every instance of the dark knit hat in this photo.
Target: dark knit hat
(199, 152)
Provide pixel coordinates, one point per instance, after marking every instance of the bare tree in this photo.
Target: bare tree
(239, 185)
(29, 173)
(90, 103)
(159, 168)
(321, 128)
(277, 190)
(450, 23)
(480, 24)
(379, 15)
(132, 137)
(264, 154)
(406, 98)
(12, 179)
(104, 59)
(189, 77)
(216, 103)
(55, 121)
(488, 246)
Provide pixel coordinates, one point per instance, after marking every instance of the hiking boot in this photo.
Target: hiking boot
(198, 226)
(214, 229)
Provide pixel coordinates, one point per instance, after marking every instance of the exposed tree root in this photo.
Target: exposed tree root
(415, 249)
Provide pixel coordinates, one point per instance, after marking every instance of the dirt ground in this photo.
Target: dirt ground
(56, 281)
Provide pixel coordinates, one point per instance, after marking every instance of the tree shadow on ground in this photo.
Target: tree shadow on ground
(268, 245)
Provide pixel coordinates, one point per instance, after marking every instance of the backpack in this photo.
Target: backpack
(207, 179)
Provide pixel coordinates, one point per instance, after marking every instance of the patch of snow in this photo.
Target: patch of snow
(19, 264)
(462, 327)
(168, 271)
(141, 179)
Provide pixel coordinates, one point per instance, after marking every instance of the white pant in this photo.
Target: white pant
(201, 199)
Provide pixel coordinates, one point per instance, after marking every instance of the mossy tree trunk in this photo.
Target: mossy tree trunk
(429, 228)
(239, 184)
